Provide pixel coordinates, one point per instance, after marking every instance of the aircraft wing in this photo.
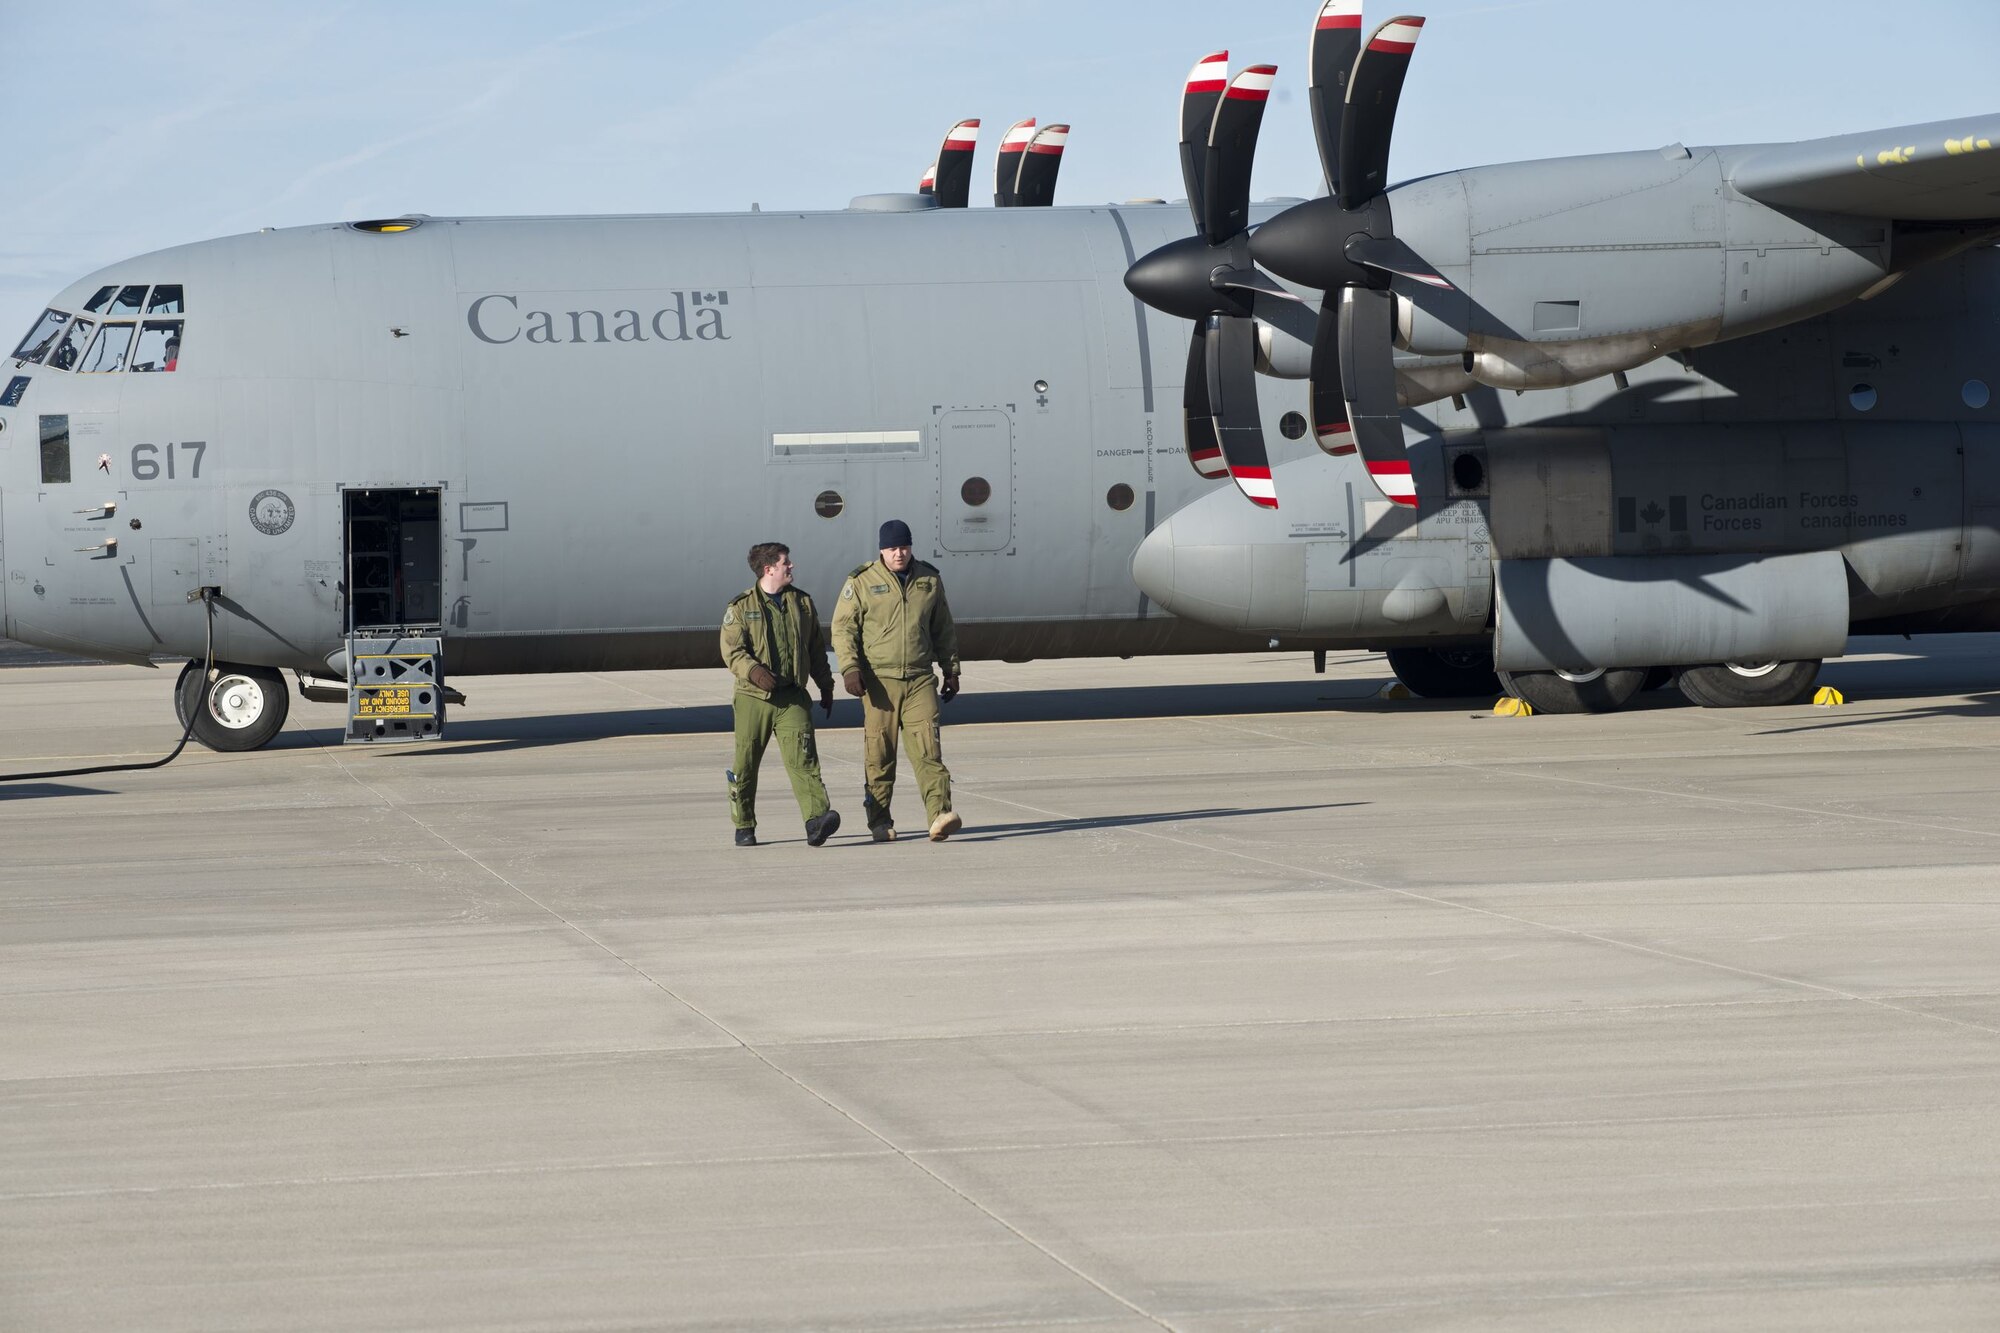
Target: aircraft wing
(1947, 171)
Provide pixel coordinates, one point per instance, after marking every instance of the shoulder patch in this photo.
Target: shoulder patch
(847, 593)
(729, 616)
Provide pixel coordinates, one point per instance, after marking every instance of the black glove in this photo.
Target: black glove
(950, 690)
(762, 677)
(852, 680)
(826, 699)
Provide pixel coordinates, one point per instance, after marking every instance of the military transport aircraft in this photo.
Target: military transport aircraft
(1578, 418)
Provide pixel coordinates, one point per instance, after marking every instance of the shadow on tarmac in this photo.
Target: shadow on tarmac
(35, 791)
(470, 734)
(1968, 667)
(1004, 832)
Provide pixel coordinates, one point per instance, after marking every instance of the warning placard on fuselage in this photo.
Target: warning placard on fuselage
(393, 701)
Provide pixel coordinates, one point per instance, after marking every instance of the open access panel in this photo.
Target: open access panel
(395, 626)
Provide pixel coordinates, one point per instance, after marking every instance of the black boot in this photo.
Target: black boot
(821, 827)
(746, 837)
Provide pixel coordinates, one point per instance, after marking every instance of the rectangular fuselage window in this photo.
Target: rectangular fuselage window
(55, 451)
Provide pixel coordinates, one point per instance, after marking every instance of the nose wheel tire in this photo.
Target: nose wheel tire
(1446, 673)
(1749, 684)
(235, 708)
(1597, 691)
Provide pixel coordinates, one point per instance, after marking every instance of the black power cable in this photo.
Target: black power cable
(207, 596)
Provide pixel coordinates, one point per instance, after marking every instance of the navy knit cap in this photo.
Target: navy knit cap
(894, 533)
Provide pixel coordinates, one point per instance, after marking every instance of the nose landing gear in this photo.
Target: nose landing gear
(234, 707)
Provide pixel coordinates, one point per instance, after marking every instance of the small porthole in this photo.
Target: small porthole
(1041, 386)
(976, 491)
(1292, 425)
(1119, 497)
(828, 504)
(1862, 397)
(1976, 394)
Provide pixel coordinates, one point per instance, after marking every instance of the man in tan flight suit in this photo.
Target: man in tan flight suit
(772, 643)
(890, 628)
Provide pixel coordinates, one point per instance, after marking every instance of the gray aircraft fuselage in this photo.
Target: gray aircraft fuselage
(614, 409)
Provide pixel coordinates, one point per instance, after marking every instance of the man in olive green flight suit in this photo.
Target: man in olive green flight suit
(890, 628)
(771, 643)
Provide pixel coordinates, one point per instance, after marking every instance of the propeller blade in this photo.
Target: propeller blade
(1007, 169)
(1368, 377)
(953, 185)
(1035, 187)
(1232, 393)
(1232, 152)
(1329, 400)
(1373, 90)
(1336, 41)
(1390, 255)
(928, 184)
(1205, 85)
(1204, 446)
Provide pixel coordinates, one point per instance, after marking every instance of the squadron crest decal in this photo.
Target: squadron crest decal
(272, 513)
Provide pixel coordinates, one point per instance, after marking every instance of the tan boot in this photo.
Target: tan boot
(945, 825)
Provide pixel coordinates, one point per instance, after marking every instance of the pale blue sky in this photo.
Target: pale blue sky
(134, 125)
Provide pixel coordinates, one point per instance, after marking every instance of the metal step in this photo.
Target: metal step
(395, 689)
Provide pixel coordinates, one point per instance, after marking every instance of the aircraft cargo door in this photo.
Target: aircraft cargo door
(975, 448)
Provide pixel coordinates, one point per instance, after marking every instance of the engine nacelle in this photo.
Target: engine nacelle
(1280, 355)
(1574, 268)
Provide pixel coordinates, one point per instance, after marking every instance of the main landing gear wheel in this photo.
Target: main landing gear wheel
(1445, 673)
(234, 707)
(1749, 684)
(1598, 691)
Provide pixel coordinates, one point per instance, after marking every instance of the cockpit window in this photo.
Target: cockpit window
(129, 301)
(159, 345)
(72, 345)
(108, 352)
(96, 303)
(166, 300)
(36, 345)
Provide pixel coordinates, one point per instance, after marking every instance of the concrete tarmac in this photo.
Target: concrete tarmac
(1246, 1000)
